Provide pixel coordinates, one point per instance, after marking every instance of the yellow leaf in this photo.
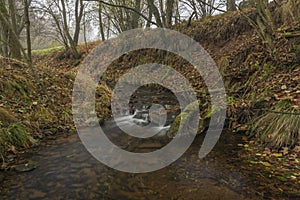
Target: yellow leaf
(277, 154)
(284, 87)
(266, 164)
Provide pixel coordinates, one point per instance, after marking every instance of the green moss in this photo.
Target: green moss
(49, 50)
(184, 118)
(16, 135)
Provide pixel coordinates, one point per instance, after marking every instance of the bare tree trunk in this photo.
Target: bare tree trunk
(162, 12)
(150, 18)
(195, 8)
(108, 30)
(136, 16)
(231, 5)
(14, 47)
(79, 10)
(101, 28)
(4, 31)
(1, 41)
(169, 12)
(72, 43)
(12, 39)
(27, 22)
(4, 41)
(177, 12)
(155, 12)
(84, 32)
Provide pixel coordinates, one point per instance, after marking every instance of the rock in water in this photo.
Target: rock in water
(25, 167)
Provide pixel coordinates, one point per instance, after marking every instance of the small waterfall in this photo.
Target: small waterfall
(141, 118)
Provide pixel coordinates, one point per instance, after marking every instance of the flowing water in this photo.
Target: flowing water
(65, 170)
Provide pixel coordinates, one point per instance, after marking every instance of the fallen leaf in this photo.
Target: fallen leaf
(277, 154)
(285, 150)
(297, 149)
(266, 164)
(281, 178)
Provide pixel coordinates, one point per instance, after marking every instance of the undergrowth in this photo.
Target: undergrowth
(278, 128)
(16, 134)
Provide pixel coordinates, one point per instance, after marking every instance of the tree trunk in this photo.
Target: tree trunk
(150, 18)
(162, 12)
(14, 47)
(4, 41)
(12, 39)
(84, 33)
(108, 29)
(177, 12)
(155, 12)
(101, 28)
(27, 22)
(169, 12)
(231, 5)
(66, 29)
(195, 8)
(136, 16)
(79, 10)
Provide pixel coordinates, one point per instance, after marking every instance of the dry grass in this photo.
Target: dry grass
(278, 129)
(15, 134)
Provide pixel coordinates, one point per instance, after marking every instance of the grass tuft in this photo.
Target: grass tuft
(280, 128)
(15, 134)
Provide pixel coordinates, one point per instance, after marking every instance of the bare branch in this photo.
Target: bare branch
(125, 7)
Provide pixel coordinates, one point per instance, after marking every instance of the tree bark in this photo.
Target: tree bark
(231, 5)
(101, 28)
(27, 22)
(155, 12)
(66, 29)
(162, 12)
(79, 10)
(12, 39)
(150, 17)
(14, 47)
(4, 31)
(169, 12)
(135, 16)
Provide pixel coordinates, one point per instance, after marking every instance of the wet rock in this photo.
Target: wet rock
(25, 167)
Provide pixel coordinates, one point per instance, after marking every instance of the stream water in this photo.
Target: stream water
(65, 170)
